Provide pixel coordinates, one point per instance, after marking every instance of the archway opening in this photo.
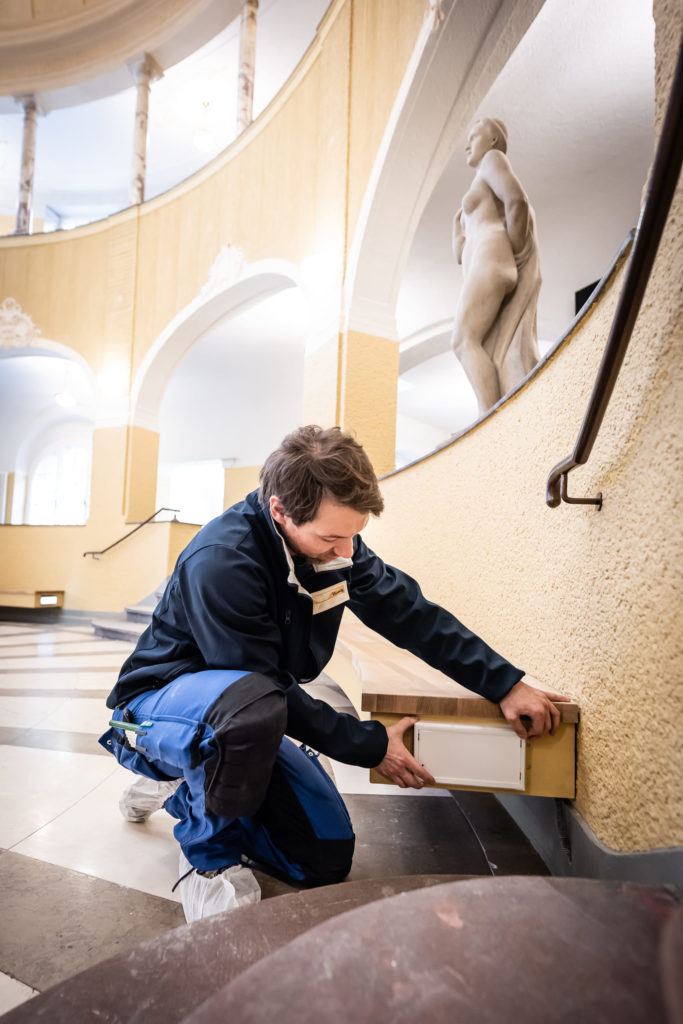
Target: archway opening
(46, 425)
(233, 396)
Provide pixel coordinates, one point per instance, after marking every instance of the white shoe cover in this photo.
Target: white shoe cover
(203, 897)
(144, 796)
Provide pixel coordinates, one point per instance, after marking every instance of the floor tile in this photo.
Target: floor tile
(23, 712)
(92, 837)
(13, 993)
(78, 715)
(62, 649)
(39, 691)
(57, 922)
(54, 636)
(74, 661)
(63, 679)
(50, 739)
(36, 786)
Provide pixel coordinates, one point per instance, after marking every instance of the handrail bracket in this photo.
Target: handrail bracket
(597, 500)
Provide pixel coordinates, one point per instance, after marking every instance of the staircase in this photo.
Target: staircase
(440, 948)
(133, 622)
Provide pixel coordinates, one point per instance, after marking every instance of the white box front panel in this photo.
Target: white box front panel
(492, 756)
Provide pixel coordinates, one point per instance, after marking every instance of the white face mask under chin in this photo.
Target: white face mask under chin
(334, 565)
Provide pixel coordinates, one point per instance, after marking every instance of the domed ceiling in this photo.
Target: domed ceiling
(72, 51)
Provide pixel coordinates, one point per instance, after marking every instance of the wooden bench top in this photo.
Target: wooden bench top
(394, 681)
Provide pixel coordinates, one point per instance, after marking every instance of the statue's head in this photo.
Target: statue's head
(488, 133)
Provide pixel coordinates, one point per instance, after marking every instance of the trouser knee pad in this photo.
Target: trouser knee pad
(248, 722)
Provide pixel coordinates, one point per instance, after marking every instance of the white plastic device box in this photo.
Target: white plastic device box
(490, 756)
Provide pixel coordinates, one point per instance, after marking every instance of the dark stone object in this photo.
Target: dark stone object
(542, 950)
(164, 979)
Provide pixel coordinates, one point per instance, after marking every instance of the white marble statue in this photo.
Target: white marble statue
(494, 237)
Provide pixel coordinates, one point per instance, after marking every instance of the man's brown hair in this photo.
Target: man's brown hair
(312, 464)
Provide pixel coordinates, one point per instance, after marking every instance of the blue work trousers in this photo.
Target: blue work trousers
(301, 832)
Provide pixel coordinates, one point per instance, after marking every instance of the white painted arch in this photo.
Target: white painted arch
(462, 47)
(254, 283)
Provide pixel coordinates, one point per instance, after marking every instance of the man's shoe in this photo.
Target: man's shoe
(204, 895)
(145, 796)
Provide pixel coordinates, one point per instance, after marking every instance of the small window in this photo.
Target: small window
(58, 492)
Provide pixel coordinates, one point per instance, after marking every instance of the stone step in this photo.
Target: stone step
(118, 629)
(546, 950)
(165, 979)
(140, 612)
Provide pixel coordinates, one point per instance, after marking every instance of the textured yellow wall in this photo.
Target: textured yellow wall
(368, 395)
(586, 601)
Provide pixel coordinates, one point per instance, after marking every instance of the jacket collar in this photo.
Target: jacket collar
(336, 565)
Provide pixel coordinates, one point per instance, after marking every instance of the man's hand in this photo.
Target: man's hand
(525, 700)
(399, 766)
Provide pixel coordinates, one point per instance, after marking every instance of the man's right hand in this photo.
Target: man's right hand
(399, 766)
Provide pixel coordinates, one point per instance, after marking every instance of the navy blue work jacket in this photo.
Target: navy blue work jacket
(237, 599)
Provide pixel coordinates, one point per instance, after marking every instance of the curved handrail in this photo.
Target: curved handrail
(96, 554)
(663, 180)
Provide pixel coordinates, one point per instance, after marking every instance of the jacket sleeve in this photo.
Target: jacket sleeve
(339, 736)
(226, 601)
(391, 602)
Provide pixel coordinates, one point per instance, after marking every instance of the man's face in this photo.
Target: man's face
(328, 536)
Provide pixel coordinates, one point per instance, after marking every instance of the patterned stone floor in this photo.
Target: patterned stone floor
(81, 884)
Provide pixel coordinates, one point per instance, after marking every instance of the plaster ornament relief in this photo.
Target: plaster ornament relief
(225, 271)
(17, 329)
(494, 237)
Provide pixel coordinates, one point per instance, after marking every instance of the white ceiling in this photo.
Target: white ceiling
(83, 153)
(239, 389)
(577, 97)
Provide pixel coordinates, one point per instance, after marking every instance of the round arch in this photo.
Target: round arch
(252, 284)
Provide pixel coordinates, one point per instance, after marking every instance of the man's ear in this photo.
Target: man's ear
(276, 510)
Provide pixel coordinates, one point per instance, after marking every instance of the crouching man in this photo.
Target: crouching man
(253, 609)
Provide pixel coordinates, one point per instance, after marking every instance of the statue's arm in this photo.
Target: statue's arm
(458, 240)
(496, 171)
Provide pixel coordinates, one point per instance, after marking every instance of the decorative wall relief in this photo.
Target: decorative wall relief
(225, 270)
(494, 237)
(17, 329)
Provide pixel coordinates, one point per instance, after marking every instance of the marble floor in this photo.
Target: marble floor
(81, 884)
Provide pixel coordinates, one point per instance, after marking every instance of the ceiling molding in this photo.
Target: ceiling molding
(83, 55)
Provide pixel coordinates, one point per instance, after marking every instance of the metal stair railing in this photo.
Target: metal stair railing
(662, 186)
(96, 554)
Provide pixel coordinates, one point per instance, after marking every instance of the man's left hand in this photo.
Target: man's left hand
(527, 701)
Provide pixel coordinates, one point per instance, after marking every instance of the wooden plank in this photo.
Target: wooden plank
(550, 760)
(454, 707)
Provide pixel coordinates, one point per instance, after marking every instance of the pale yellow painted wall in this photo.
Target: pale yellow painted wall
(321, 384)
(142, 457)
(368, 395)
(239, 481)
(384, 34)
(588, 602)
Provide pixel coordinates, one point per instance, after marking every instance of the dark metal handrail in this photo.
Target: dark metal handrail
(663, 180)
(130, 533)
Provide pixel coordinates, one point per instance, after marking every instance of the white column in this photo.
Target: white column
(28, 161)
(247, 65)
(145, 71)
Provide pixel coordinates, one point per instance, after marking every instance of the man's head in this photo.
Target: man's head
(321, 489)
